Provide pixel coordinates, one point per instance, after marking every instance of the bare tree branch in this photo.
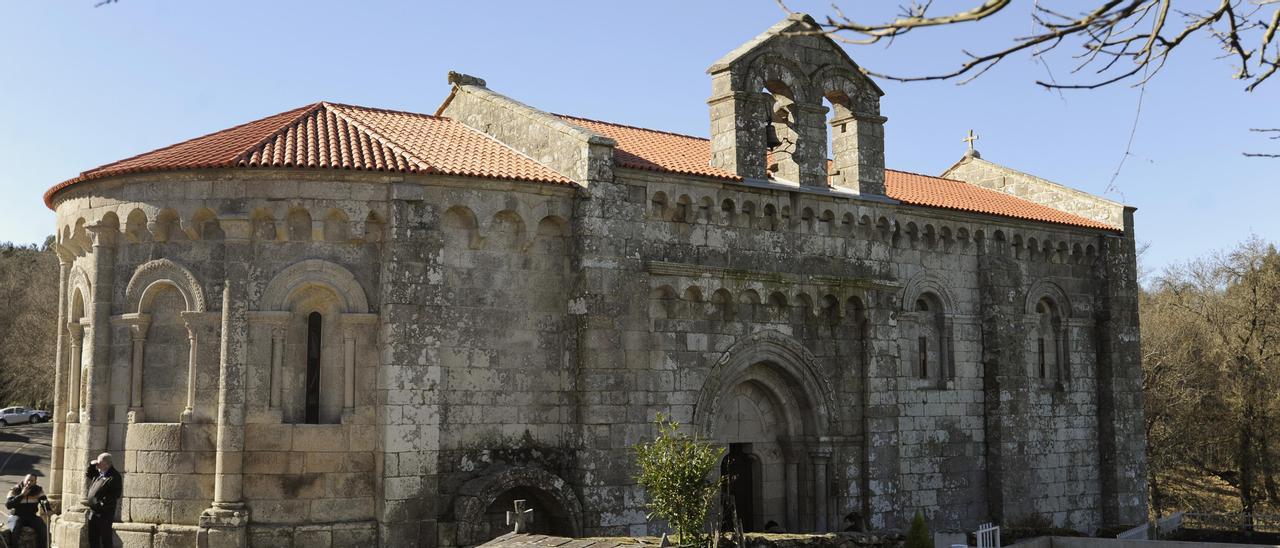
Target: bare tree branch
(1102, 34)
(1142, 32)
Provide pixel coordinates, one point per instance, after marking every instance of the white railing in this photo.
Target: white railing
(1141, 532)
(988, 536)
(1168, 524)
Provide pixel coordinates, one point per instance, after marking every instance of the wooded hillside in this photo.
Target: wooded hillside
(28, 314)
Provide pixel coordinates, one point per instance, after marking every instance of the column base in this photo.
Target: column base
(67, 529)
(224, 525)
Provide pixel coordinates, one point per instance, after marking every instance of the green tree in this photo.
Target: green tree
(675, 471)
(918, 535)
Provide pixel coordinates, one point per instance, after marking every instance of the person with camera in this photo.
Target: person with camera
(25, 500)
(105, 488)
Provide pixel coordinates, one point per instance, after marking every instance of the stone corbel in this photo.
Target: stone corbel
(137, 324)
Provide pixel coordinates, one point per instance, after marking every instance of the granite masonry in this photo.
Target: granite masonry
(343, 326)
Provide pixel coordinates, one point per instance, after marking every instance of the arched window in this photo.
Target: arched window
(932, 349)
(314, 321)
(928, 341)
(1048, 360)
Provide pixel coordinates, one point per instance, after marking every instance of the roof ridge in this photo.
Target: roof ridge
(918, 174)
(336, 108)
(615, 124)
(387, 110)
(243, 156)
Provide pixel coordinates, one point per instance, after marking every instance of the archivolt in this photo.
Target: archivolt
(165, 271)
(1045, 287)
(926, 282)
(78, 279)
(310, 273)
(789, 360)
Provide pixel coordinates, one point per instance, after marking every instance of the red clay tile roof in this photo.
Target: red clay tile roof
(925, 190)
(335, 136)
(653, 150)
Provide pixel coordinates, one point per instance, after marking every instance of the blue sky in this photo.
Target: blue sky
(83, 86)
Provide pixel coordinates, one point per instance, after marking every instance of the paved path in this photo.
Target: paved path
(25, 449)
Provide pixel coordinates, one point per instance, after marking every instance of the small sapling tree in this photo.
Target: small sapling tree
(918, 535)
(674, 471)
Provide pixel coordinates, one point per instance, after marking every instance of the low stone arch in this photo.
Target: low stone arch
(313, 272)
(163, 271)
(788, 361)
(1048, 288)
(475, 496)
(926, 282)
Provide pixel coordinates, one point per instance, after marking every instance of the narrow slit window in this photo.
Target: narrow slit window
(314, 324)
(923, 343)
(1040, 352)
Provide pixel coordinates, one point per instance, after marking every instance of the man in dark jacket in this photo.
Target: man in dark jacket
(105, 487)
(25, 499)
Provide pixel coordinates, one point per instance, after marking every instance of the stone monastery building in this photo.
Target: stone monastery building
(343, 325)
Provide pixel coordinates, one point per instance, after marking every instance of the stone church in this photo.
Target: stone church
(343, 325)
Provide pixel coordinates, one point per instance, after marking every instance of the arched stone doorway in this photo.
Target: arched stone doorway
(481, 506)
(765, 402)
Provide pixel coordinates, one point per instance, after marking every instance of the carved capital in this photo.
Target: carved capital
(103, 234)
(65, 254)
(76, 331)
(136, 322)
(198, 322)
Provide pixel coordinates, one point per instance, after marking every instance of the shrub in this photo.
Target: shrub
(918, 535)
(673, 471)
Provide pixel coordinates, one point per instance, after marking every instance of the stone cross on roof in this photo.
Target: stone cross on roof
(519, 516)
(972, 152)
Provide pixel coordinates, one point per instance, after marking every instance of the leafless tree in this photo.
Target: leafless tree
(28, 314)
(1211, 351)
(1113, 40)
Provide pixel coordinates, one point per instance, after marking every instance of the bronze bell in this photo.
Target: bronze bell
(771, 139)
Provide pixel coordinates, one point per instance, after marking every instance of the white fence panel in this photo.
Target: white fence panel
(988, 536)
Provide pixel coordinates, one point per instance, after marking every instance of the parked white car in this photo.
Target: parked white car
(22, 415)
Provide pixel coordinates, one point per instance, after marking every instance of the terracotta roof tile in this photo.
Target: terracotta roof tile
(653, 150)
(335, 136)
(925, 190)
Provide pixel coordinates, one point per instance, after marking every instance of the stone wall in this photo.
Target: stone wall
(499, 340)
(152, 389)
